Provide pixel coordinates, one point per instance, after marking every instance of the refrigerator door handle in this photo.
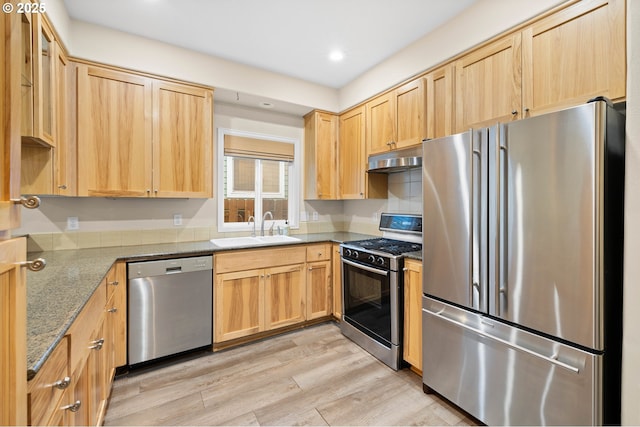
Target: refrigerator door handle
(501, 295)
(475, 299)
(553, 359)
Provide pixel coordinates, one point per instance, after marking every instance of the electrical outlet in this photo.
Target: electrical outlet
(304, 216)
(177, 219)
(315, 216)
(73, 223)
(375, 216)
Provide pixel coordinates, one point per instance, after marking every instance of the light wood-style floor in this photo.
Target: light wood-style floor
(313, 376)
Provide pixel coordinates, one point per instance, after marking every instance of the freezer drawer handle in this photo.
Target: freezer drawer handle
(507, 343)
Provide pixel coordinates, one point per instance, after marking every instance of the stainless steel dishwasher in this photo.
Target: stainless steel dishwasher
(170, 307)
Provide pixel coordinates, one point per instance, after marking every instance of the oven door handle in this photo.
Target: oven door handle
(367, 268)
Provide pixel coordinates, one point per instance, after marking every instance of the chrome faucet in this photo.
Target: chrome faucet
(262, 225)
(251, 218)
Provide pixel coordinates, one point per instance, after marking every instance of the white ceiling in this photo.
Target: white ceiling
(290, 37)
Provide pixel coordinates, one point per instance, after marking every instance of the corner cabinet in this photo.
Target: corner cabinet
(141, 137)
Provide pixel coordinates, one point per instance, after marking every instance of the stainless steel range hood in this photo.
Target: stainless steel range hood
(396, 161)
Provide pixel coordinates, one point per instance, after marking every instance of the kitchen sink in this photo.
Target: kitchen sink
(234, 242)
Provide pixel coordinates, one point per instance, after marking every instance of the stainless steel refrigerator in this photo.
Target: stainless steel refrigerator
(522, 268)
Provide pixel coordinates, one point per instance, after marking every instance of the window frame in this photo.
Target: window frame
(246, 194)
(295, 177)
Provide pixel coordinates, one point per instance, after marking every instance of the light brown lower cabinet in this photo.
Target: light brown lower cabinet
(412, 341)
(74, 384)
(336, 281)
(286, 286)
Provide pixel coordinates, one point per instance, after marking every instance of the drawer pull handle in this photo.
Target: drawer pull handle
(29, 202)
(97, 344)
(35, 265)
(73, 407)
(62, 384)
(112, 310)
(114, 283)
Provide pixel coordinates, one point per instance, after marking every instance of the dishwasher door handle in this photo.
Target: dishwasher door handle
(173, 270)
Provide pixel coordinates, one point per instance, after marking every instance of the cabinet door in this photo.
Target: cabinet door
(575, 55)
(488, 84)
(114, 133)
(319, 294)
(381, 126)
(411, 114)
(440, 102)
(284, 296)
(13, 331)
(65, 151)
(97, 370)
(44, 62)
(352, 154)
(412, 341)
(11, 25)
(239, 304)
(182, 141)
(336, 276)
(117, 280)
(320, 134)
(81, 396)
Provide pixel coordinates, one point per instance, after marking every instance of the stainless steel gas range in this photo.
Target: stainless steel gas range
(372, 286)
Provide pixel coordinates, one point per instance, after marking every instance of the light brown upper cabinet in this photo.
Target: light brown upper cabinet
(574, 55)
(355, 183)
(38, 80)
(440, 102)
(397, 119)
(488, 84)
(320, 140)
(65, 151)
(182, 141)
(114, 133)
(561, 60)
(141, 137)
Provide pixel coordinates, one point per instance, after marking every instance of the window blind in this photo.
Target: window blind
(240, 146)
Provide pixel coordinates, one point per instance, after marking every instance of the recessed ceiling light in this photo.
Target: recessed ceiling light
(266, 105)
(336, 55)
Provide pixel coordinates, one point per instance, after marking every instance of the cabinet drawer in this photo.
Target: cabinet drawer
(320, 252)
(47, 388)
(258, 258)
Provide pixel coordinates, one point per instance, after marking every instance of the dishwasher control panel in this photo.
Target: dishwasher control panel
(170, 266)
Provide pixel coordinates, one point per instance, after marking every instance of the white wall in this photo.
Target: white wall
(631, 322)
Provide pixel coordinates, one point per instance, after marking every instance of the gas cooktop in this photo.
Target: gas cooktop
(389, 246)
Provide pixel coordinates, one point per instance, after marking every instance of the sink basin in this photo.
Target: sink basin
(230, 242)
(235, 242)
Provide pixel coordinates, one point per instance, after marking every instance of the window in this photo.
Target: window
(256, 175)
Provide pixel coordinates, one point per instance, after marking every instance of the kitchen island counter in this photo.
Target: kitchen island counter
(57, 294)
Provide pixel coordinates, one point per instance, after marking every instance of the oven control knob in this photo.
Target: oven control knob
(372, 258)
(356, 254)
(380, 260)
(348, 252)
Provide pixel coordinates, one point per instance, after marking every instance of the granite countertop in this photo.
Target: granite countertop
(414, 255)
(57, 294)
